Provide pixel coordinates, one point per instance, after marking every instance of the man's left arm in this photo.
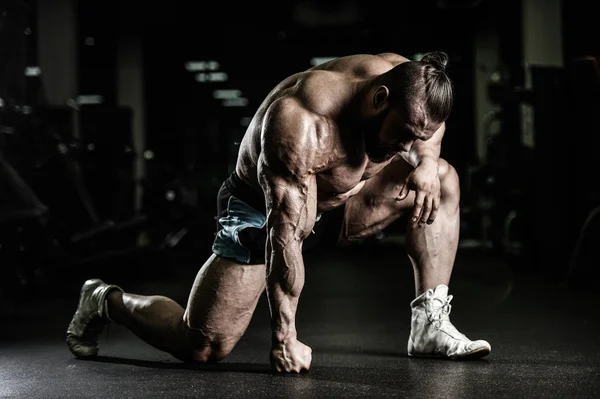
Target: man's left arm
(427, 152)
(424, 180)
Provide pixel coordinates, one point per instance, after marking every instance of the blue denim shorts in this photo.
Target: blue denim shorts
(239, 216)
(241, 224)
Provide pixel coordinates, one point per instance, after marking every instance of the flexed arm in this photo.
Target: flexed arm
(290, 188)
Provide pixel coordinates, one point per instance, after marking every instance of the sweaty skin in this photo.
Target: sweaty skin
(322, 138)
(305, 150)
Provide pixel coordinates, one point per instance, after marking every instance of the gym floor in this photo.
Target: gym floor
(354, 313)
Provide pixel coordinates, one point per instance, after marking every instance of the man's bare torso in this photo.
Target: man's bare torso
(324, 91)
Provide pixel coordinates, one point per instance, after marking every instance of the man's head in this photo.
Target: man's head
(410, 103)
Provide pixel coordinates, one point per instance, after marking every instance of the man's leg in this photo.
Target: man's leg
(220, 306)
(431, 248)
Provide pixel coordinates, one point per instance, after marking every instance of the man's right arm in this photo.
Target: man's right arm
(289, 185)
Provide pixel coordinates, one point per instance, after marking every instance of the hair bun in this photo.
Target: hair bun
(438, 59)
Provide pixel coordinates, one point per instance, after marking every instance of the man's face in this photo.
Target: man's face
(394, 130)
(376, 149)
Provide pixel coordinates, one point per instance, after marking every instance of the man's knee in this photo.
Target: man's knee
(211, 352)
(207, 348)
(449, 179)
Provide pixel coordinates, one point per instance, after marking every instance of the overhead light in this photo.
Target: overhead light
(196, 66)
(227, 94)
(235, 102)
(33, 71)
(90, 99)
(211, 77)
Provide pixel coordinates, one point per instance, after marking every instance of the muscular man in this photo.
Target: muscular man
(336, 152)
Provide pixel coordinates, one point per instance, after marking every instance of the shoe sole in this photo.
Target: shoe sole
(478, 354)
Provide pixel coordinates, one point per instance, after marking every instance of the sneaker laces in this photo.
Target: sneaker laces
(433, 334)
(440, 318)
(438, 314)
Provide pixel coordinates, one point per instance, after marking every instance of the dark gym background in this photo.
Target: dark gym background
(120, 119)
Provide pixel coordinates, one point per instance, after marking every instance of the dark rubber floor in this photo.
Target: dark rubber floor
(354, 313)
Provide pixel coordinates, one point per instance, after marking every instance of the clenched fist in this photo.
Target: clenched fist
(290, 357)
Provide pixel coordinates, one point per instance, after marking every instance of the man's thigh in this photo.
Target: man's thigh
(375, 207)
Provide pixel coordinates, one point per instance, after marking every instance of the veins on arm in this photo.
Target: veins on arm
(286, 174)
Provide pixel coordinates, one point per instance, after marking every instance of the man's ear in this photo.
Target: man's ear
(380, 97)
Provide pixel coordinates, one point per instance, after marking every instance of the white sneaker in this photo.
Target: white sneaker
(433, 335)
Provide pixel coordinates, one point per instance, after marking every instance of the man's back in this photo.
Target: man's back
(320, 94)
(362, 65)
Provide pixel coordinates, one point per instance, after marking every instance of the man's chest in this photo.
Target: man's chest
(347, 175)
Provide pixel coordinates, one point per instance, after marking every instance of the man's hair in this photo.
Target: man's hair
(423, 80)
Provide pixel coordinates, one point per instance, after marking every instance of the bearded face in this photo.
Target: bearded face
(377, 151)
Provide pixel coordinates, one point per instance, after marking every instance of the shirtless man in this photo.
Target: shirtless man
(337, 152)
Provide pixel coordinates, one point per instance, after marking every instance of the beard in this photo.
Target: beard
(375, 150)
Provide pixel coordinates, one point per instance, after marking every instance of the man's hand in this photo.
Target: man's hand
(291, 357)
(424, 180)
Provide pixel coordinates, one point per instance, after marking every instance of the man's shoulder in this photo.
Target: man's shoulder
(300, 118)
(394, 58)
(360, 66)
(294, 135)
(314, 93)
(301, 109)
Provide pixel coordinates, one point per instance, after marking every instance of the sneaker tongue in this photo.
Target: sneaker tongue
(436, 295)
(441, 291)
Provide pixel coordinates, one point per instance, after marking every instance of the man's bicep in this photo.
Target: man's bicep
(287, 167)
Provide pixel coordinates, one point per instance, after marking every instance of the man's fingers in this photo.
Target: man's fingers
(427, 206)
(403, 192)
(434, 211)
(419, 199)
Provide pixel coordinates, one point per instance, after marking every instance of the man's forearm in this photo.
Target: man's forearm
(284, 285)
(417, 157)
(427, 158)
(426, 152)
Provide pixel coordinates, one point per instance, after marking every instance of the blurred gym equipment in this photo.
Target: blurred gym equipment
(538, 202)
(584, 99)
(46, 197)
